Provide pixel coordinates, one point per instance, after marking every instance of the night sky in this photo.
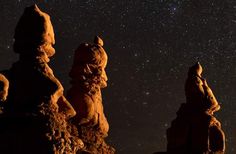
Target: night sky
(150, 44)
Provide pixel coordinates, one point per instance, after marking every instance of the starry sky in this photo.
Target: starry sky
(150, 44)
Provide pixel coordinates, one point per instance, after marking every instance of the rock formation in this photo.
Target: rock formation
(196, 130)
(35, 112)
(88, 77)
(4, 86)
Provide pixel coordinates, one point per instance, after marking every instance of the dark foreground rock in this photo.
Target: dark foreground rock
(34, 111)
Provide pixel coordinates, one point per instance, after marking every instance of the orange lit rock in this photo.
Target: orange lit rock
(88, 77)
(35, 114)
(4, 86)
(197, 90)
(196, 130)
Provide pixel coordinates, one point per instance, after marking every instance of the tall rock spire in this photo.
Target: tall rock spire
(35, 112)
(196, 130)
(88, 77)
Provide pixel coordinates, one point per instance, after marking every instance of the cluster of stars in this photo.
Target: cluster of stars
(150, 45)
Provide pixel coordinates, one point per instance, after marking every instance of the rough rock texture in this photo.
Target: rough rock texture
(35, 113)
(88, 77)
(196, 130)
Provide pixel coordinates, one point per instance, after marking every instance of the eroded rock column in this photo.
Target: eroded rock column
(88, 77)
(196, 130)
(35, 112)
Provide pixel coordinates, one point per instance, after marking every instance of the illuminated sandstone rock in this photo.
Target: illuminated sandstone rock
(196, 130)
(35, 112)
(4, 86)
(197, 90)
(88, 77)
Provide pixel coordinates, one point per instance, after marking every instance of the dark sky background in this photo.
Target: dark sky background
(150, 44)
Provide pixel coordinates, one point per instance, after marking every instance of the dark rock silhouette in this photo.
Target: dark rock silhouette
(196, 130)
(35, 112)
(88, 77)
